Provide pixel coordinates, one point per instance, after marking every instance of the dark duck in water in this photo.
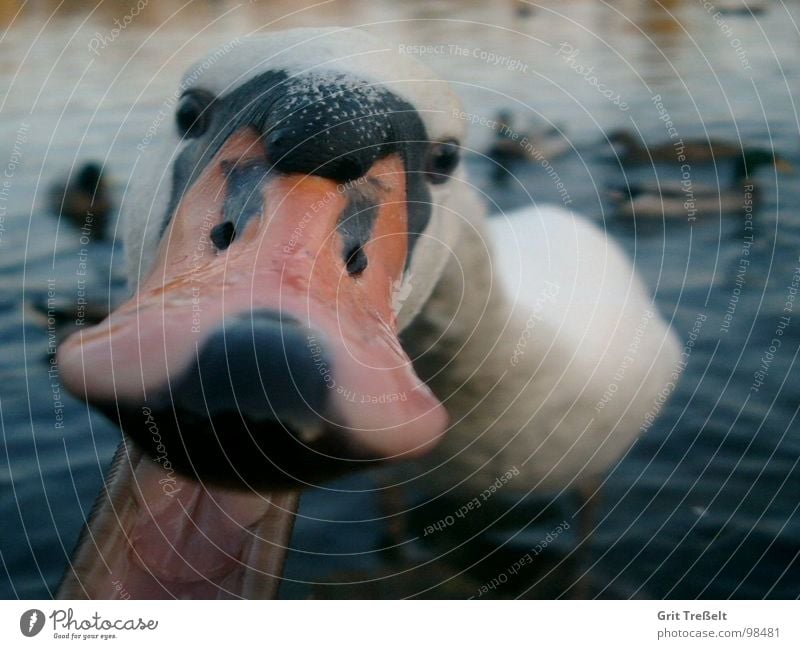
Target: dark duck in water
(83, 200)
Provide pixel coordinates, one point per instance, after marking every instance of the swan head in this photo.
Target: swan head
(286, 232)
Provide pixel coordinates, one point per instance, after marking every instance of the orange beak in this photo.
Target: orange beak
(261, 351)
(264, 348)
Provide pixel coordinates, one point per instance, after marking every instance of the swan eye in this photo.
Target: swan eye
(193, 114)
(441, 160)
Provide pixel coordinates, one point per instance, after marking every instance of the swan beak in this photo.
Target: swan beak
(264, 342)
(260, 352)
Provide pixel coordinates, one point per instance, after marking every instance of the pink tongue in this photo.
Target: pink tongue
(188, 540)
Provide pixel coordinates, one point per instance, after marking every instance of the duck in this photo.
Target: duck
(631, 151)
(741, 7)
(651, 205)
(522, 9)
(685, 199)
(319, 290)
(511, 146)
(84, 201)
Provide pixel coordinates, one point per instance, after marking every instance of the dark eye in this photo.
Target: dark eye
(441, 160)
(193, 114)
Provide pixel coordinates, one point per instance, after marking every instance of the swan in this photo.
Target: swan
(316, 289)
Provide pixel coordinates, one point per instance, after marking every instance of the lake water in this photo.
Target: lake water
(704, 505)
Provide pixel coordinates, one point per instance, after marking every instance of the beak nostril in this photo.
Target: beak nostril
(278, 139)
(222, 235)
(356, 260)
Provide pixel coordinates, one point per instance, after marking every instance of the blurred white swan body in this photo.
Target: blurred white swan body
(555, 357)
